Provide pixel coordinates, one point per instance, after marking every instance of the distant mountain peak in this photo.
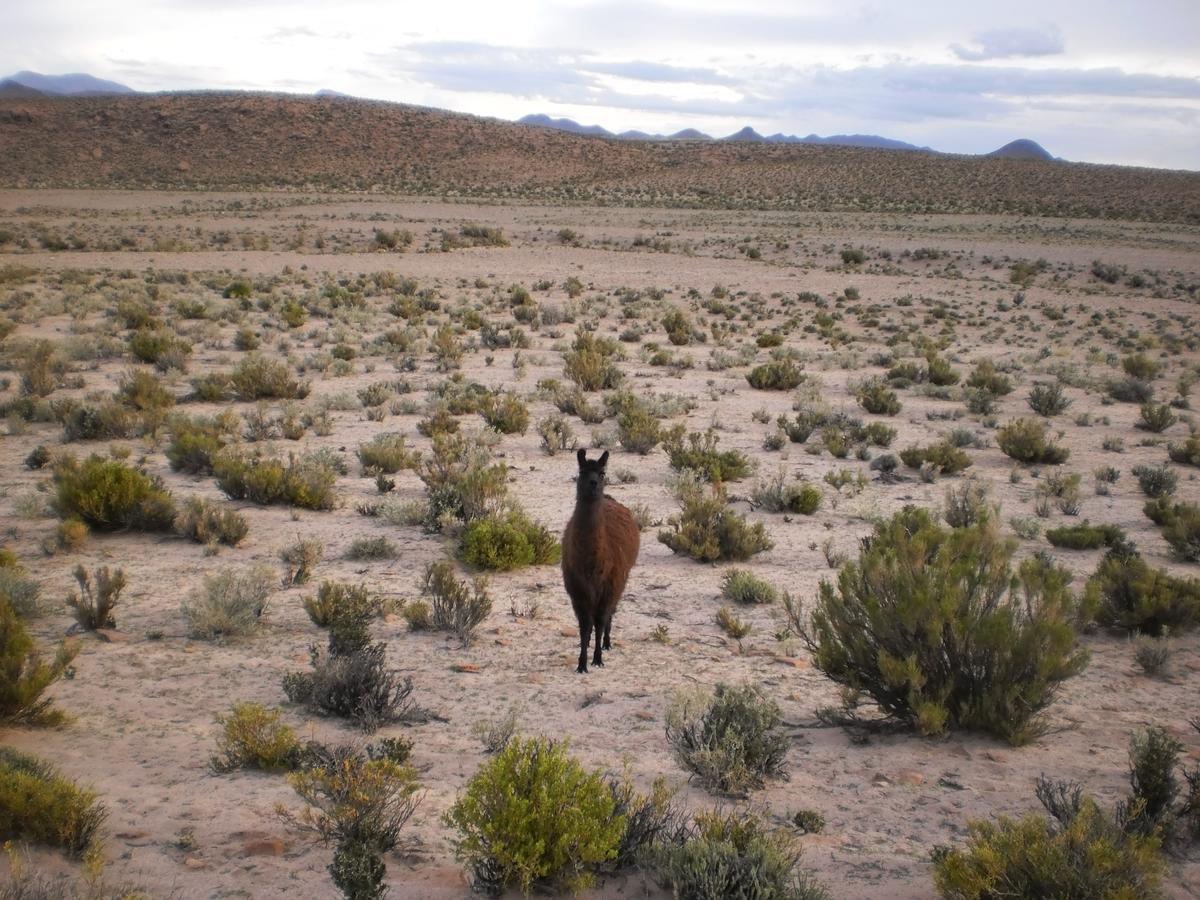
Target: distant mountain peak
(540, 120)
(1021, 148)
(73, 84)
(746, 134)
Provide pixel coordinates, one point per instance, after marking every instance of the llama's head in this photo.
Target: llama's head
(590, 485)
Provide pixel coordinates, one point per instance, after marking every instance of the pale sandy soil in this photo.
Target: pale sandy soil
(143, 708)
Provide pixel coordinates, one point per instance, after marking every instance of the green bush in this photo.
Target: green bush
(371, 548)
(557, 435)
(1080, 852)
(462, 482)
(707, 530)
(942, 455)
(105, 421)
(638, 429)
(1150, 811)
(195, 444)
(158, 347)
(229, 604)
(1085, 536)
(591, 362)
(259, 378)
(39, 805)
(1125, 592)
(777, 375)
(360, 802)
(776, 494)
(1181, 531)
(19, 590)
(387, 453)
(24, 675)
(743, 586)
(508, 541)
(108, 495)
(304, 481)
(1139, 365)
(941, 373)
(506, 413)
(966, 505)
(1131, 390)
(455, 607)
(357, 686)
(1047, 399)
(991, 649)
(874, 396)
(984, 377)
(93, 605)
(253, 737)
(731, 739)
(334, 601)
(700, 454)
(1025, 441)
(678, 327)
(1187, 453)
(1155, 481)
(212, 387)
(533, 815)
(734, 855)
(207, 522)
(1156, 417)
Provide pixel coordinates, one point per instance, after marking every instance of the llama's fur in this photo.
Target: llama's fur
(600, 546)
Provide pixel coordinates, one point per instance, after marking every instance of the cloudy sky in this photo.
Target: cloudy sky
(1094, 80)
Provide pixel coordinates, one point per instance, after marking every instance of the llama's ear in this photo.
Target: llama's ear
(603, 459)
(581, 456)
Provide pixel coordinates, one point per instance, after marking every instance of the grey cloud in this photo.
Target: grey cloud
(659, 72)
(283, 34)
(1008, 43)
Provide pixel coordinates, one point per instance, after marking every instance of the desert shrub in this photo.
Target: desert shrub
(734, 855)
(591, 362)
(207, 522)
(730, 739)
(1152, 654)
(259, 378)
(1078, 852)
(1025, 440)
(107, 495)
(455, 606)
(104, 421)
(25, 675)
(360, 802)
(557, 435)
(943, 456)
(678, 327)
(1085, 536)
(1155, 481)
(158, 347)
(776, 494)
(1154, 789)
(371, 548)
(533, 815)
(357, 686)
(39, 805)
(979, 401)
(941, 373)
(743, 586)
(706, 529)
(19, 590)
(1139, 365)
(93, 605)
(1047, 399)
(508, 541)
(1156, 417)
(777, 375)
(984, 377)
(195, 445)
(253, 737)
(1131, 390)
(462, 482)
(300, 559)
(145, 393)
(638, 429)
(1187, 453)
(387, 453)
(229, 604)
(653, 821)
(1181, 531)
(306, 481)
(506, 413)
(334, 602)
(965, 505)
(991, 649)
(874, 396)
(700, 454)
(212, 387)
(1125, 592)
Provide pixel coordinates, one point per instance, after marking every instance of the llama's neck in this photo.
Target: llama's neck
(587, 513)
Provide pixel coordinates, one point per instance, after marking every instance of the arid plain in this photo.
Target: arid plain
(849, 295)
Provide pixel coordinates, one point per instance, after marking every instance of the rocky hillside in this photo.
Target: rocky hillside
(213, 140)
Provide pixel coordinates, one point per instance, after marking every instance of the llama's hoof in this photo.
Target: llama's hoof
(581, 670)
(599, 663)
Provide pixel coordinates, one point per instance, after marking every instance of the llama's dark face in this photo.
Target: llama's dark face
(591, 476)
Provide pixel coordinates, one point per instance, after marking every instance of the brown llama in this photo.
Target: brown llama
(600, 546)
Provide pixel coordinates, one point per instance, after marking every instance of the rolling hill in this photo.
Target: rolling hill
(244, 140)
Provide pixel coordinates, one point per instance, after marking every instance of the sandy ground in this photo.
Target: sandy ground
(143, 708)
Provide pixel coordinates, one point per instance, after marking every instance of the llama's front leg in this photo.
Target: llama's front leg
(585, 640)
(608, 633)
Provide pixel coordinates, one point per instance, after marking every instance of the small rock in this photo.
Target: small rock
(909, 777)
(194, 862)
(264, 847)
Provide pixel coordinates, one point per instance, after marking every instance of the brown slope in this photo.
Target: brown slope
(253, 140)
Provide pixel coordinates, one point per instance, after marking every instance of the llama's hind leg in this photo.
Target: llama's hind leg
(608, 633)
(597, 657)
(585, 639)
